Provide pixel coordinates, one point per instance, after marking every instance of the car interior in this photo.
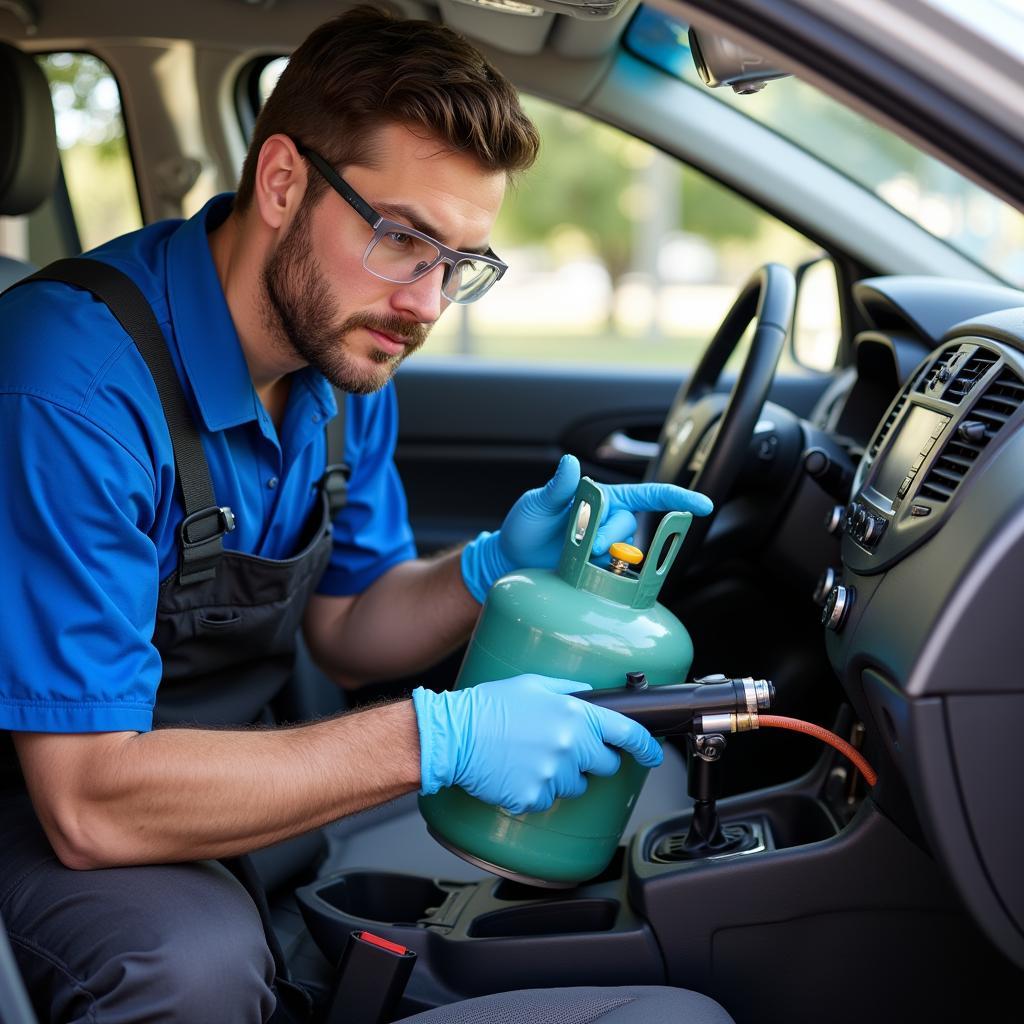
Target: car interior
(852, 404)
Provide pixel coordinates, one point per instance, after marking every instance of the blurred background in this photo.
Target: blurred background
(618, 254)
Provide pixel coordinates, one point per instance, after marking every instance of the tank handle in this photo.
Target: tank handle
(670, 534)
(584, 520)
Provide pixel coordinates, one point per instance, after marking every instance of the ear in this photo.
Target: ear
(280, 181)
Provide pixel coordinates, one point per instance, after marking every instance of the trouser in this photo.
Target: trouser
(174, 942)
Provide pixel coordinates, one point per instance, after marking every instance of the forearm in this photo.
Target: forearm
(408, 619)
(190, 794)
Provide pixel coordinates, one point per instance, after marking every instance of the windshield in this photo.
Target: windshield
(943, 202)
(1001, 21)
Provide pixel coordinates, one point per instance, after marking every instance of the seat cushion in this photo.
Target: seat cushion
(640, 1004)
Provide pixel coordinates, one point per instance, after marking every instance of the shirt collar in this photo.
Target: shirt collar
(205, 333)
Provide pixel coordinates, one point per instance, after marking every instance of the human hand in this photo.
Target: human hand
(522, 743)
(534, 529)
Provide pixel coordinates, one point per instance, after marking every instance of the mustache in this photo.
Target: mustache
(411, 332)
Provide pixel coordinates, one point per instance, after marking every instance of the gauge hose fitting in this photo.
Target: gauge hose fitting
(713, 704)
(742, 723)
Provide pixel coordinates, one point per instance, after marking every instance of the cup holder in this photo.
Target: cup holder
(387, 898)
(564, 917)
(334, 907)
(471, 941)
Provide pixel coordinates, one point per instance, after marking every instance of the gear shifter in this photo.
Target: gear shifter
(706, 837)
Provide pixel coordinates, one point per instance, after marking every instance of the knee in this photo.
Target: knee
(204, 957)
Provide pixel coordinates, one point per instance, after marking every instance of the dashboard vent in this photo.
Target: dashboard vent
(887, 425)
(1002, 398)
(973, 370)
(932, 375)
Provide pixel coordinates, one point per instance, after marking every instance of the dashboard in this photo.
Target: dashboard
(925, 618)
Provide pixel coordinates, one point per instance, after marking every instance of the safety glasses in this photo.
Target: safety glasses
(401, 254)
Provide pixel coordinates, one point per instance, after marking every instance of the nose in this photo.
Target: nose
(422, 298)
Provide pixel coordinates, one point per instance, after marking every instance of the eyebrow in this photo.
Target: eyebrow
(409, 215)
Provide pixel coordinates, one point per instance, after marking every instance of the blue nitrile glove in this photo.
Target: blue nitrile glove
(521, 743)
(533, 532)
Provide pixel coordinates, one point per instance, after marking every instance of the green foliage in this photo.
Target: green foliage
(578, 180)
(586, 180)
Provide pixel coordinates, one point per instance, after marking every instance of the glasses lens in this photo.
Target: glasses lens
(399, 257)
(469, 279)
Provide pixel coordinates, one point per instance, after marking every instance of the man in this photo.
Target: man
(374, 177)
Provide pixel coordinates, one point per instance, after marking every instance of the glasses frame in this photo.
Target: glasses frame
(446, 256)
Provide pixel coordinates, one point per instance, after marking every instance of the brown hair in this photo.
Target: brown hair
(365, 69)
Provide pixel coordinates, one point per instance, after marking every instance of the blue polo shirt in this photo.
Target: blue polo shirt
(89, 511)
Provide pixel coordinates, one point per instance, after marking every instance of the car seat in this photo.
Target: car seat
(28, 146)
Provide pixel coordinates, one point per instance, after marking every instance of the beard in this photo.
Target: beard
(302, 316)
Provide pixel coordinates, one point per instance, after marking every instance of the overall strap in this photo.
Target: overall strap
(336, 475)
(205, 522)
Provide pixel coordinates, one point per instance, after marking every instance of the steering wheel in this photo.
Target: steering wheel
(706, 436)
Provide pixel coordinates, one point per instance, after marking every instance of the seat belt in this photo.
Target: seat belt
(205, 521)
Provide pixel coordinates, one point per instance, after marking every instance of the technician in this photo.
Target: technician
(170, 516)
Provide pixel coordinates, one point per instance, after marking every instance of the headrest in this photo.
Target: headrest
(28, 140)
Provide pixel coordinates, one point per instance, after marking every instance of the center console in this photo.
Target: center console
(722, 925)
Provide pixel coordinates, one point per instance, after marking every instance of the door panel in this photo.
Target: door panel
(475, 435)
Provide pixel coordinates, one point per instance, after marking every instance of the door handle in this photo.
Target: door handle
(619, 445)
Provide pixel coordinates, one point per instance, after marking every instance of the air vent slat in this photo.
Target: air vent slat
(959, 462)
(935, 491)
(1001, 399)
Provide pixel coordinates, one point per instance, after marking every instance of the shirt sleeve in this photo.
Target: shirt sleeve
(372, 532)
(81, 573)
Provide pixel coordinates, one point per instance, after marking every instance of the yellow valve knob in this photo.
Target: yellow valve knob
(626, 553)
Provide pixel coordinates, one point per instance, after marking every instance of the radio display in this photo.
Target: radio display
(917, 432)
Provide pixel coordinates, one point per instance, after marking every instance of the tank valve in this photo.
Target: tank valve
(623, 557)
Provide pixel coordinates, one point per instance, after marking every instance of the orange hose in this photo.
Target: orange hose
(781, 722)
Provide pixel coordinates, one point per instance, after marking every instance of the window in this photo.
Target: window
(617, 253)
(269, 74)
(922, 188)
(93, 147)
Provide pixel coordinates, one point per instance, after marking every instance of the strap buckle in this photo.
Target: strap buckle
(201, 545)
(334, 484)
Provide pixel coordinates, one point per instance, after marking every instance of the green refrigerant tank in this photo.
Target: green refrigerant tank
(582, 622)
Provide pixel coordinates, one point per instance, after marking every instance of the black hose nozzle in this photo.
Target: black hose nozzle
(672, 710)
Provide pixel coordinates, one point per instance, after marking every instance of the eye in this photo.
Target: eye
(399, 239)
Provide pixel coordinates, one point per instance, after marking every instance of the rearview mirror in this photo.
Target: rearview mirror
(721, 61)
(817, 318)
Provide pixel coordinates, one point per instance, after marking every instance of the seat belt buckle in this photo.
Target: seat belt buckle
(201, 545)
(371, 977)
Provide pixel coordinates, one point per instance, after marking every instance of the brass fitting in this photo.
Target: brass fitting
(726, 722)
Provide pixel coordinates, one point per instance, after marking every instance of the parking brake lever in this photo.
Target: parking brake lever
(681, 708)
